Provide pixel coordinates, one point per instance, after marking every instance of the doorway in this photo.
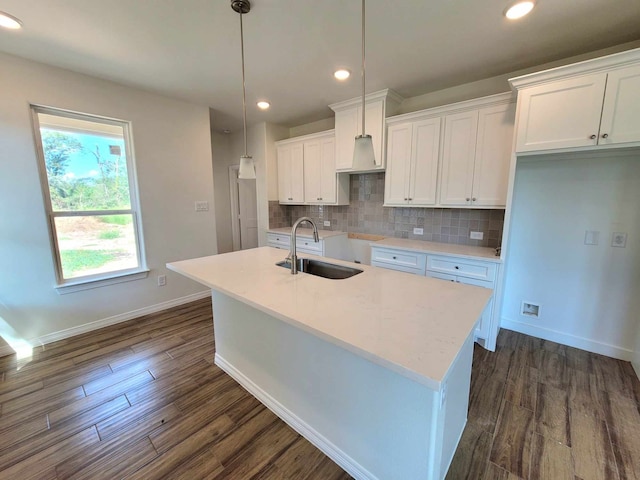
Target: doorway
(244, 211)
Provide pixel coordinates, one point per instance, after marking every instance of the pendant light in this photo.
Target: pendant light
(363, 156)
(247, 169)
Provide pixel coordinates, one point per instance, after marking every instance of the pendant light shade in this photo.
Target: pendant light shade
(247, 169)
(363, 156)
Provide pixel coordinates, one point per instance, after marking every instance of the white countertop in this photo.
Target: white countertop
(306, 232)
(466, 251)
(412, 325)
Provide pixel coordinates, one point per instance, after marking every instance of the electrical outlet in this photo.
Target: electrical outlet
(418, 231)
(476, 235)
(591, 237)
(162, 280)
(619, 239)
(327, 223)
(202, 206)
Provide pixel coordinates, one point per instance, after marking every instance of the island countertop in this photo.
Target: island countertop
(412, 325)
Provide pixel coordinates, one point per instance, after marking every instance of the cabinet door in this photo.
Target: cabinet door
(284, 174)
(493, 156)
(423, 177)
(621, 111)
(374, 126)
(297, 173)
(396, 182)
(561, 114)
(347, 122)
(327, 170)
(456, 181)
(312, 172)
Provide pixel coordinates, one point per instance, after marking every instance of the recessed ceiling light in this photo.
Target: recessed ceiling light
(262, 105)
(519, 9)
(9, 21)
(342, 74)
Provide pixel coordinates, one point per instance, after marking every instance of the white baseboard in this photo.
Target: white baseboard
(352, 467)
(122, 317)
(582, 343)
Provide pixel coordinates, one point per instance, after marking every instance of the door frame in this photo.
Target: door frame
(235, 206)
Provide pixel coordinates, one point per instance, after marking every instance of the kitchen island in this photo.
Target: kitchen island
(374, 370)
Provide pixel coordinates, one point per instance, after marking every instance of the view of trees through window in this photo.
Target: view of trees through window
(88, 182)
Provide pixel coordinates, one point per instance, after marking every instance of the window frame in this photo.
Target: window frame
(85, 282)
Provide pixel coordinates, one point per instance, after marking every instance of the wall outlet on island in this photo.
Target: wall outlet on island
(418, 231)
(476, 235)
(327, 223)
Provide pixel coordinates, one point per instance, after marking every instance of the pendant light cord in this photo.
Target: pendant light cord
(363, 101)
(244, 99)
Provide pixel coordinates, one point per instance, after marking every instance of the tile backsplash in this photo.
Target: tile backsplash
(366, 214)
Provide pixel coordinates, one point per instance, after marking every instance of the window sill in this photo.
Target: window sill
(72, 286)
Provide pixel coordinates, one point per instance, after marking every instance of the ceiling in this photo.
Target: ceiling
(190, 49)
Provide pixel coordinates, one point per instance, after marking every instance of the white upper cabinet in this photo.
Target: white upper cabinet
(494, 145)
(458, 155)
(476, 157)
(621, 110)
(348, 124)
(582, 106)
(307, 171)
(290, 173)
(412, 171)
(452, 156)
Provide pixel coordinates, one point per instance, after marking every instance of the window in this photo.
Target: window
(89, 186)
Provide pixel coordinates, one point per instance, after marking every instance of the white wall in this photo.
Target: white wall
(588, 294)
(173, 157)
(222, 160)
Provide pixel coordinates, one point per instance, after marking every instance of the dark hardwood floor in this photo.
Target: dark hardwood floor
(143, 400)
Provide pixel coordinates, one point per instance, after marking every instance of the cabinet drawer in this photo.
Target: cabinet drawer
(309, 246)
(278, 240)
(462, 267)
(399, 260)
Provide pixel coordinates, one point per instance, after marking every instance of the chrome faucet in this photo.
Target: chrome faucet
(293, 258)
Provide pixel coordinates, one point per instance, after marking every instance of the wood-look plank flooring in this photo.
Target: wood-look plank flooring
(143, 400)
(541, 410)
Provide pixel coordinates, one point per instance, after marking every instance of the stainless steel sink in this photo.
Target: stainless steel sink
(322, 269)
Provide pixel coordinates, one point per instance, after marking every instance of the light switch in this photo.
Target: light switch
(591, 237)
(202, 206)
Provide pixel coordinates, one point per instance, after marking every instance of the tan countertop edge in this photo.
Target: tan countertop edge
(366, 236)
(465, 251)
(412, 325)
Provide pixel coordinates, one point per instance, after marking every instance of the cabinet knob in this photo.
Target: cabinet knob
(394, 258)
(457, 267)
(592, 137)
(474, 199)
(405, 199)
(320, 198)
(467, 199)
(605, 135)
(410, 198)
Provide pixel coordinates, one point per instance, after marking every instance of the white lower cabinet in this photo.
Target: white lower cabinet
(400, 260)
(450, 268)
(334, 246)
(470, 272)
